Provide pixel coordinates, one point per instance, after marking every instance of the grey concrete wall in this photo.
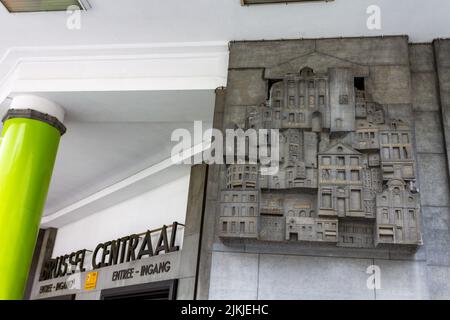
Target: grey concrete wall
(210, 214)
(437, 212)
(403, 77)
(442, 60)
(192, 233)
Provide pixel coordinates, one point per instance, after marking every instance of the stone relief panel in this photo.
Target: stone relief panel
(397, 214)
(346, 173)
(356, 234)
(239, 214)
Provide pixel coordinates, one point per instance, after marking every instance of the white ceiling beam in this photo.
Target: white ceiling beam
(171, 66)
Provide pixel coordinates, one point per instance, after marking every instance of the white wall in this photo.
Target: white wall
(151, 210)
(146, 21)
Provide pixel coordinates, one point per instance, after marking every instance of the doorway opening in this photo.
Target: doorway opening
(163, 290)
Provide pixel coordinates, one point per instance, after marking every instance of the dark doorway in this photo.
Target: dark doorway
(66, 297)
(163, 290)
(359, 83)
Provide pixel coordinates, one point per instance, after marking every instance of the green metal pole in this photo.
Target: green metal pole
(27, 155)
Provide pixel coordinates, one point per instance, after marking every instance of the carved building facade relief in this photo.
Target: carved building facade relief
(346, 173)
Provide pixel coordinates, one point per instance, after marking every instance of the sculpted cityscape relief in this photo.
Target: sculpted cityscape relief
(347, 172)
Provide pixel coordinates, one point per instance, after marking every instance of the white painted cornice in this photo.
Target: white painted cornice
(157, 66)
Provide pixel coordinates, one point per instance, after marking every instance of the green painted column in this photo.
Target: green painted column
(28, 148)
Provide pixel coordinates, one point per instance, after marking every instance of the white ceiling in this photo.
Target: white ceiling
(112, 135)
(134, 106)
